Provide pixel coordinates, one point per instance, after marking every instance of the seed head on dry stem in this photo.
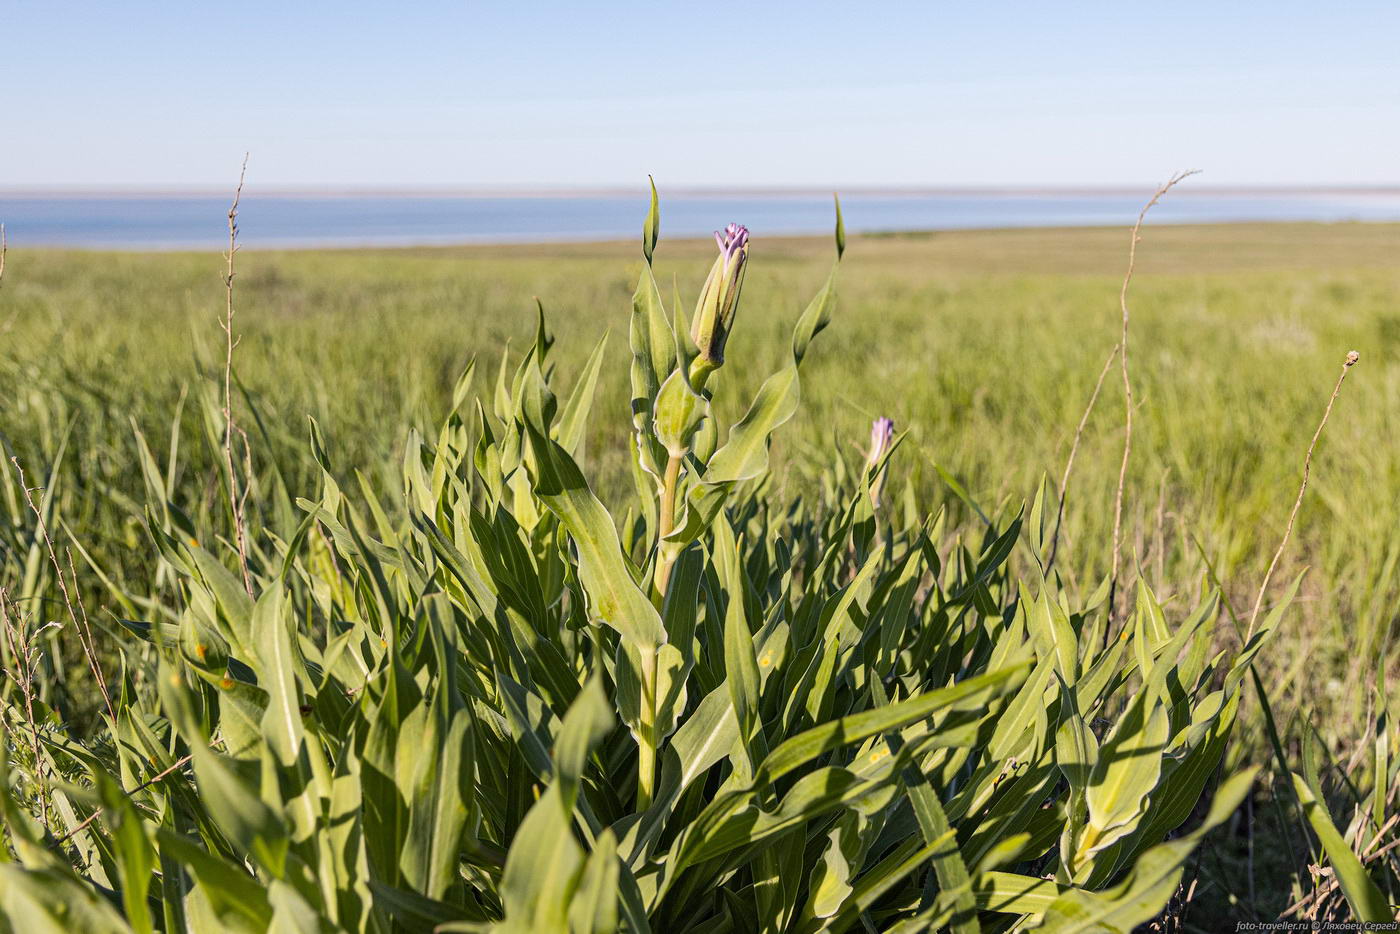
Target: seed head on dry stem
(79, 621)
(1350, 361)
(237, 501)
(23, 644)
(1127, 382)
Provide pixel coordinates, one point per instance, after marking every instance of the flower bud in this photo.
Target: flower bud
(881, 437)
(714, 315)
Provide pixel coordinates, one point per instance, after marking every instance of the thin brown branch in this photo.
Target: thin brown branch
(4, 248)
(85, 638)
(1128, 385)
(23, 644)
(1347, 364)
(1069, 464)
(141, 787)
(236, 500)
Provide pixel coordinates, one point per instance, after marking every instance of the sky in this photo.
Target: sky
(554, 94)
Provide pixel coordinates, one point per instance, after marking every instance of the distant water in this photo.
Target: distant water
(196, 222)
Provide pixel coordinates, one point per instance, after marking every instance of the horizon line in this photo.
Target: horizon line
(679, 191)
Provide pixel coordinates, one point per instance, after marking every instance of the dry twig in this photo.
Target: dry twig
(179, 763)
(80, 624)
(1069, 464)
(24, 659)
(1128, 385)
(1347, 364)
(237, 501)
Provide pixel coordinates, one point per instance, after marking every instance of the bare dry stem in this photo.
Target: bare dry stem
(1127, 382)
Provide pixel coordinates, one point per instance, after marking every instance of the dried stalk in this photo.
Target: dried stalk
(1128, 385)
(85, 637)
(1069, 464)
(1347, 364)
(24, 658)
(181, 762)
(236, 500)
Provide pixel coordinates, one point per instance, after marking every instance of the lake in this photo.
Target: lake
(131, 221)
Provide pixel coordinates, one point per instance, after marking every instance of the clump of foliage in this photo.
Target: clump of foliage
(487, 703)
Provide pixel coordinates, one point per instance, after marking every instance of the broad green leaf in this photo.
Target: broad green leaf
(281, 722)
(1362, 895)
(1151, 882)
(1129, 764)
(136, 858)
(616, 599)
(745, 454)
(573, 420)
(594, 909)
(49, 901)
(797, 751)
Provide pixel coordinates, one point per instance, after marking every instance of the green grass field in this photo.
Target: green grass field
(983, 345)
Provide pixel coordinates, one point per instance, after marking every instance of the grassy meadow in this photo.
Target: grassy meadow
(984, 346)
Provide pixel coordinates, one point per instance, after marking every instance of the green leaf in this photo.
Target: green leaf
(594, 909)
(545, 863)
(136, 858)
(817, 315)
(236, 897)
(281, 722)
(739, 659)
(679, 412)
(1009, 893)
(1362, 894)
(651, 228)
(248, 822)
(1129, 764)
(653, 346)
(602, 568)
(439, 800)
(574, 417)
(1151, 882)
(48, 901)
(798, 750)
(588, 720)
(745, 454)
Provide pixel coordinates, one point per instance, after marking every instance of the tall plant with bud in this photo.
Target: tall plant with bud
(489, 706)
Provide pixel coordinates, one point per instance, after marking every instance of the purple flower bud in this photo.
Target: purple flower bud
(881, 438)
(719, 300)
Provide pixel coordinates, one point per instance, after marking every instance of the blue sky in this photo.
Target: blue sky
(599, 94)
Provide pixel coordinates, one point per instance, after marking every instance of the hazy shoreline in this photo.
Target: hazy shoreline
(139, 221)
(584, 242)
(700, 192)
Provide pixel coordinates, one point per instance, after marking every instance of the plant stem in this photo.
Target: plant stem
(646, 749)
(1347, 364)
(646, 773)
(666, 523)
(1128, 396)
(235, 499)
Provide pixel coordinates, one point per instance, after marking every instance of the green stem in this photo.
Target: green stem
(646, 774)
(666, 523)
(646, 749)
